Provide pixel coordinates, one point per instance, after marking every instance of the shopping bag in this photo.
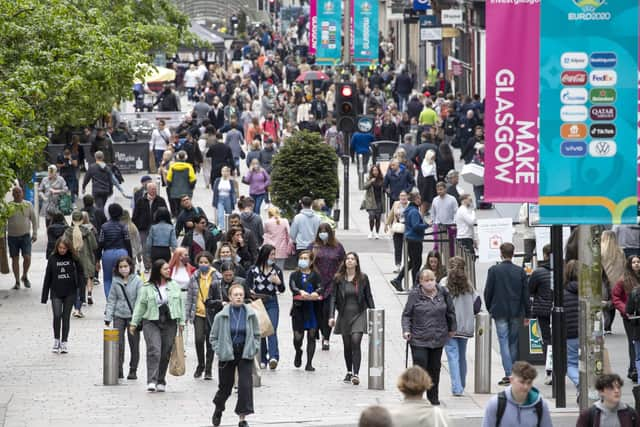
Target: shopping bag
(266, 327)
(176, 362)
(153, 168)
(473, 173)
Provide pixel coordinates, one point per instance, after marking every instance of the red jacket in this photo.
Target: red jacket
(619, 298)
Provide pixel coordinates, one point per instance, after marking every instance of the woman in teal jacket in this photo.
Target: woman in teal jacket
(235, 338)
(160, 310)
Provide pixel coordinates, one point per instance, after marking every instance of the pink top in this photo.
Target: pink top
(277, 235)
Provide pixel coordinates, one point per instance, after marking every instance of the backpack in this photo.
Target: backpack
(117, 173)
(502, 406)
(594, 412)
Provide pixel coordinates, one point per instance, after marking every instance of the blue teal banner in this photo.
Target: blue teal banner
(329, 32)
(365, 32)
(588, 112)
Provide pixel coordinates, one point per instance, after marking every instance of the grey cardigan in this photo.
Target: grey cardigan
(220, 336)
(116, 303)
(429, 320)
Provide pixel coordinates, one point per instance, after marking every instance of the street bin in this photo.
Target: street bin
(110, 356)
(482, 366)
(530, 345)
(376, 348)
(382, 151)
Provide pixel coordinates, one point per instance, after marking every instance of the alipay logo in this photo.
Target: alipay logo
(574, 60)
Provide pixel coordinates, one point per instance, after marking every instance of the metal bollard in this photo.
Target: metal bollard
(360, 172)
(482, 367)
(110, 360)
(257, 379)
(405, 255)
(376, 348)
(226, 222)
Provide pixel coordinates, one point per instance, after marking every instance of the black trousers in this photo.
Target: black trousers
(631, 349)
(545, 331)
(397, 248)
(467, 244)
(414, 251)
(325, 329)
(226, 375)
(429, 360)
(62, 315)
(201, 331)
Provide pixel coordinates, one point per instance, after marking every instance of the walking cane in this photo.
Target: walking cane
(406, 354)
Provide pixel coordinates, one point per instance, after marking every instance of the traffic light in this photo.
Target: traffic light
(272, 6)
(346, 107)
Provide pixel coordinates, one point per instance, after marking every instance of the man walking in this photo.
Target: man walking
(443, 213)
(19, 237)
(506, 296)
(304, 226)
(102, 186)
(143, 213)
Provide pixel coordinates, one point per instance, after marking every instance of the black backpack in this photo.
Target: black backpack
(595, 412)
(502, 406)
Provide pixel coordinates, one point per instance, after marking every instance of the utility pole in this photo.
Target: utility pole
(559, 333)
(591, 320)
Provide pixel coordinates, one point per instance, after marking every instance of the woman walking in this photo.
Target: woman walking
(50, 190)
(196, 311)
(571, 324)
(328, 255)
(276, 233)
(113, 243)
(235, 337)
(224, 195)
(84, 246)
(265, 280)
(612, 259)
(161, 240)
(62, 280)
(467, 304)
(160, 311)
(305, 312)
(122, 299)
(620, 295)
(433, 262)
(395, 224)
(373, 200)
(351, 297)
(428, 321)
(258, 181)
(226, 253)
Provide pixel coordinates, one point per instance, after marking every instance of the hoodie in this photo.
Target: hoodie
(304, 228)
(515, 414)
(622, 415)
(253, 222)
(117, 303)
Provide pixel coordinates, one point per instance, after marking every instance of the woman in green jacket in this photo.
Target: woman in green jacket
(235, 338)
(160, 310)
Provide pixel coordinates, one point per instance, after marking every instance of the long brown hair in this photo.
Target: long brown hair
(332, 241)
(378, 179)
(342, 271)
(457, 281)
(631, 279)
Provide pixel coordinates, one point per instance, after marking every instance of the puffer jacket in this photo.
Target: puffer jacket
(540, 291)
(429, 320)
(117, 303)
(571, 309)
(181, 179)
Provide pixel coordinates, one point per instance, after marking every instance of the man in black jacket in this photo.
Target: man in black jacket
(403, 87)
(102, 185)
(506, 296)
(542, 298)
(200, 238)
(143, 213)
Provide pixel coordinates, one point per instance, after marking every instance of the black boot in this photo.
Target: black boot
(132, 375)
(216, 419)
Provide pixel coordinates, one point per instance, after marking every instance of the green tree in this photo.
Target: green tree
(66, 62)
(304, 166)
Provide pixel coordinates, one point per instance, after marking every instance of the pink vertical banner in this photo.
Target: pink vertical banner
(511, 108)
(313, 26)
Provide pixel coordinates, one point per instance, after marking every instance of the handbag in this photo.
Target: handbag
(397, 227)
(266, 327)
(176, 362)
(65, 203)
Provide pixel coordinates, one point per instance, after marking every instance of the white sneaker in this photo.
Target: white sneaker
(63, 347)
(370, 235)
(161, 388)
(56, 346)
(151, 387)
(375, 235)
(396, 268)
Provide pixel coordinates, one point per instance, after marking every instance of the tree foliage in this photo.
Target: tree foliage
(304, 166)
(66, 62)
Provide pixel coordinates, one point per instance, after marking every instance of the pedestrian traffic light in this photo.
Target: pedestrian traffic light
(346, 107)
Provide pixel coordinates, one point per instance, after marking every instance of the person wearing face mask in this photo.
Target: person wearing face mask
(226, 254)
(428, 321)
(328, 254)
(223, 280)
(351, 297)
(306, 289)
(160, 311)
(122, 298)
(265, 280)
(196, 311)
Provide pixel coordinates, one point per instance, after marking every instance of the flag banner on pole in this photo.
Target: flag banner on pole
(329, 32)
(365, 32)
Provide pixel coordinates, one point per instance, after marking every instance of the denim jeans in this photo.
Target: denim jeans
(456, 349)
(224, 207)
(636, 346)
(269, 345)
(109, 259)
(258, 198)
(507, 331)
(573, 344)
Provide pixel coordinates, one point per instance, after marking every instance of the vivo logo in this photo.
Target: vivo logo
(603, 78)
(574, 60)
(603, 113)
(574, 96)
(574, 113)
(603, 60)
(573, 149)
(602, 148)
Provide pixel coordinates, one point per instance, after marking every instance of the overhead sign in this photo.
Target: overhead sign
(591, 67)
(430, 33)
(511, 113)
(421, 5)
(451, 16)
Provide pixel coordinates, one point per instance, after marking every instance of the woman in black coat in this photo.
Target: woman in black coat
(351, 297)
(306, 309)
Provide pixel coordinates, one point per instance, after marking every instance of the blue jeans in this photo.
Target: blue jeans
(109, 259)
(258, 198)
(507, 331)
(270, 344)
(157, 154)
(573, 344)
(224, 207)
(456, 349)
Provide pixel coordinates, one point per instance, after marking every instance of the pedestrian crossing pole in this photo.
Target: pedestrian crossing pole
(559, 333)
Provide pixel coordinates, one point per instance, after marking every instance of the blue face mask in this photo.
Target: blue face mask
(303, 264)
(324, 236)
(204, 268)
(270, 262)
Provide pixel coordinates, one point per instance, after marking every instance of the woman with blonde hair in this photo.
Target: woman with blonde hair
(612, 259)
(276, 233)
(83, 246)
(415, 411)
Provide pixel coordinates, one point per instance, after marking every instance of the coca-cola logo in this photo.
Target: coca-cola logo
(574, 78)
